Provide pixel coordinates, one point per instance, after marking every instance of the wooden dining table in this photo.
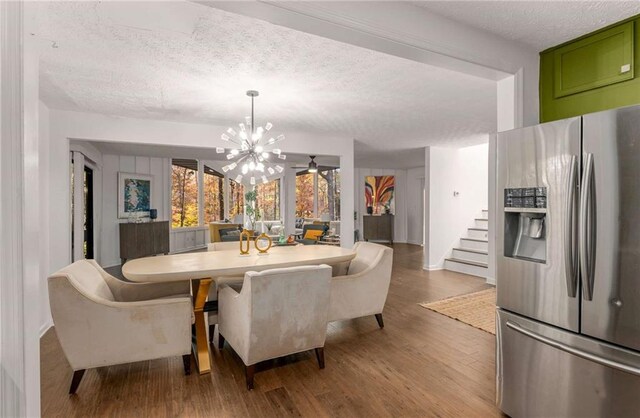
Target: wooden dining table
(201, 267)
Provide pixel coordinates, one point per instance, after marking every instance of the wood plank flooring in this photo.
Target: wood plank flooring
(421, 364)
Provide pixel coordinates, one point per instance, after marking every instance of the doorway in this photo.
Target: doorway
(88, 245)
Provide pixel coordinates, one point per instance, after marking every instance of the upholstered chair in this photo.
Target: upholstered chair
(278, 312)
(217, 283)
(102, 321)
(363, 290)
(321, 231)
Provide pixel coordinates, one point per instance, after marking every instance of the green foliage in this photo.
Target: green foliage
(250, 209)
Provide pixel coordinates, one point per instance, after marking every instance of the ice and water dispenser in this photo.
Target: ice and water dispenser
(525, 235)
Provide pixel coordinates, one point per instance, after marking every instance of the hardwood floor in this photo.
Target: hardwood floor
(420, 364)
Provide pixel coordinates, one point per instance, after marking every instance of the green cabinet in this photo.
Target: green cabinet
(599, 60)
(593, 73)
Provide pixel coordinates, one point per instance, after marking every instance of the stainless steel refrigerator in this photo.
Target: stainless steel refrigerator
(568, 267)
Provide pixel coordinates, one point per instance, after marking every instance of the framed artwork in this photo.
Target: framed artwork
(134, 195)
(378, 194)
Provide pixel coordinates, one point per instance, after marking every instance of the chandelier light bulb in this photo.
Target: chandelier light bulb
(225, 168)
(232, 132)
(279, 168)
(282, 157)
(243, 135)
(242, 128)
(271, 141)
(219, 150)
(225, 137)
(280, 137)
(265, 155)
(255, 137)
(276, 151)
(271, 171)
(245, 168)
(264, 179)
(238, 178)
(252, 166)
(260, 167)
(252, 180)
(232, 166)
(247, 119)
(268, 126)
(258, 149)
(230, 156)
(235, 151)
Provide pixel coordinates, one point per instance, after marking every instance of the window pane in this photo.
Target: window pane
(184, 193)
(329, 194)
(269, 200)
(213, 195)
(304, 195)
(236, 196)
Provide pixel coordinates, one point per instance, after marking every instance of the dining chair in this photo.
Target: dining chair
(278, 312)
(216, 284)
(102, 321)
(363, 290)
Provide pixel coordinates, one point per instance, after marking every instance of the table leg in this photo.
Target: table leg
(200, 290)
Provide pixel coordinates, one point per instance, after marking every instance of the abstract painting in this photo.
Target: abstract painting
(378, 193)
(134, 195)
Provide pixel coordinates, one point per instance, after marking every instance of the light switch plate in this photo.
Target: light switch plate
(625, 68)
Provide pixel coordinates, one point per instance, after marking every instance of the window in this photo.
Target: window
(184, 193)
(236, 199)
(269, 200)
(304, 195)
(329, 194)
(213, 195)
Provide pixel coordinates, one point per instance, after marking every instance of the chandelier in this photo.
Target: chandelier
(252, 153)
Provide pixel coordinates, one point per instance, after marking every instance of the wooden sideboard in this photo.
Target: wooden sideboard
(143, 239)
(378, 227)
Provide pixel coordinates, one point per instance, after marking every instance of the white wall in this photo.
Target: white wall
(464, 170)
(158, 168)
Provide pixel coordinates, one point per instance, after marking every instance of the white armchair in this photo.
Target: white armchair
(278, 312)
(102, 321)
(363, 290)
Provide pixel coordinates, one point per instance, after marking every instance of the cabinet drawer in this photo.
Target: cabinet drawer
(599, 60)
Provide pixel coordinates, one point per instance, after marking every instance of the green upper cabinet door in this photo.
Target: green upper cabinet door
(596, 61)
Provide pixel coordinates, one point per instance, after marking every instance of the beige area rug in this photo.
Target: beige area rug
(476, 309)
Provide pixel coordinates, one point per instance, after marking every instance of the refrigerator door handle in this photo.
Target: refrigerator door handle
(575, 351)
(586, 230)
(570, 259)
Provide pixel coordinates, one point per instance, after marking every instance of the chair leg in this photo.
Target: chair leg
(250, 371)
(186, 360)
(320, 357)
(379, 319)
(212, 330)
(75, 381)
(220, 341)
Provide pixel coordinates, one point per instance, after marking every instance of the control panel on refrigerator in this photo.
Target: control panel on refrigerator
(525, 223)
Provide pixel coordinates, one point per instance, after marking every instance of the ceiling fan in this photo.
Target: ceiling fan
(312, 167)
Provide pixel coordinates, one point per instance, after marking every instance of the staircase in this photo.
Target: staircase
(471, 256)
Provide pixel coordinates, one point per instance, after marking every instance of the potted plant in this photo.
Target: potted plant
(251, 210)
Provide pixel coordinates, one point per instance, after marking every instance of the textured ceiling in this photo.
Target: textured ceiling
(540, 24)
(188, 62)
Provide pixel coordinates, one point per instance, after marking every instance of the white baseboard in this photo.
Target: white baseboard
(432, 268)
(45, 327)
(491, 281)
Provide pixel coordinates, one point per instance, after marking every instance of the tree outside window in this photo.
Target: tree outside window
(213, 195)
(329, 194)
(184, 193)
(304, 195)
(268, 200)
(236, 199)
